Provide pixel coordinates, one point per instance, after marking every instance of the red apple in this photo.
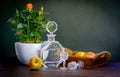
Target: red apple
(89, 55)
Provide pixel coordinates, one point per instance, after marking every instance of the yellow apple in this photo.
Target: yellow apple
(35, 63)
(89, 55)
(79, 54)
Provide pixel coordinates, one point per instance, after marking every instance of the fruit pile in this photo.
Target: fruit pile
(91, 59)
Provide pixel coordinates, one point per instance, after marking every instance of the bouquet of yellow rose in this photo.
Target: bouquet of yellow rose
(29, 24)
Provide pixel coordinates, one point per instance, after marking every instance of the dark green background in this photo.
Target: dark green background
(87, 25)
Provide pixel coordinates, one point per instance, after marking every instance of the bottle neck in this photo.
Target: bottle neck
(51, 37)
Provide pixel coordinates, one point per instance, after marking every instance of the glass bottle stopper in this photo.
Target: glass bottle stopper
(51, 27)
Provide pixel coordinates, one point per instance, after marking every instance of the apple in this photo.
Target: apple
(35, 63)
(89, 55)
(79, 54)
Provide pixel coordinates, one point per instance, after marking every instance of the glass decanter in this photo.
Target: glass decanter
(51, 49)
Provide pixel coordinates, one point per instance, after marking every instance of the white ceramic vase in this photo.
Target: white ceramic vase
(25, 51)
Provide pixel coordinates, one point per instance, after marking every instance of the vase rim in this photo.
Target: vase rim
(26, 43)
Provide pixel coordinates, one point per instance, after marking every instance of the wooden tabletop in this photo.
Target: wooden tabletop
(12, 68)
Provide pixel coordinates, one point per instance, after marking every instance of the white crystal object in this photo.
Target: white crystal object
(50, 48)
(51, 27)
(64, 56)
(80, 64)
(72, 65)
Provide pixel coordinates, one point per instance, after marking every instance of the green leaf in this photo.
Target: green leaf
(17, 12)
(20, 25)
(34, 34)
(12, 21)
